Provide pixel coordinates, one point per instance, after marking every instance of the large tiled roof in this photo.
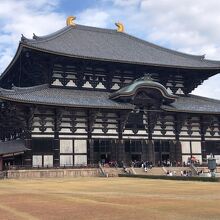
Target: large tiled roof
(110, 45)
(10, 147)
(196, 104)
(45, 95)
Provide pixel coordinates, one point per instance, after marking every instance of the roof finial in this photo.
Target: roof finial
(120, 27)
(70, 21)
(145, 77)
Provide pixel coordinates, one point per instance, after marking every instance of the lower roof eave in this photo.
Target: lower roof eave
(119, 61)
(12, 154)
(188, 111)
(68, 106)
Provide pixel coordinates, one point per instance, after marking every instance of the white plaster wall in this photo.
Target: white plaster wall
(97, 131)
(57, 83)
(185, 158)
(66, 146)
(87, 85)
(73, 136)
(196, 147)
(48, 160)
(185, 147)
(66, 160)
(49, 130)
(100, 86)
(112, 131)
(80, 130)
(80, 160)
(71, 84)
(164, 138)
(37, 160)
(65, 130)
(36, 130)
(128, 132)
(80, 146)
(42, 135)
(169, 133)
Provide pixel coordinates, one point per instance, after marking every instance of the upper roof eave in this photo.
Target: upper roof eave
(118, 61)
(68, 28)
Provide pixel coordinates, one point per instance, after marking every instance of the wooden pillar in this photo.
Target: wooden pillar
(120, 143)
(56, 152)
(56, 141)
(91, 117)
(172, 151)
(150, 144)
(144, 150)
(27, 137)
(203, 148)
(179, 120)
(203, 128)
(121, 150)
(90, 151)
(28, 145)
(113, 150)
(178, 151)
(1, 163)
(150, 151)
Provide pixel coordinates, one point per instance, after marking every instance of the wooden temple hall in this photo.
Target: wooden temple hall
(84, 94)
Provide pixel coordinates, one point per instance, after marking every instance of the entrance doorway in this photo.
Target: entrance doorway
(165, 157)
(105, 158)
(162, 151)
(136, 157)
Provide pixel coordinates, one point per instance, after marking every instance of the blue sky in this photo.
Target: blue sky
(184, 25)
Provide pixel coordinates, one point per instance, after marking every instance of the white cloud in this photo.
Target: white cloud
(210, 88)
(25, 17)
(93, 17)
(126, 2)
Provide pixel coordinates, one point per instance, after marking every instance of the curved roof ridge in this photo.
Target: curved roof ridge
(55, 34)
(21, 90)
(143, 82)
(96, 29)
(198, 57)
(30, 88)
(6, 91)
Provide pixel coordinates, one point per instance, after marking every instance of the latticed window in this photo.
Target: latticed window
(135, 120)
(102, 145)
(133, 146)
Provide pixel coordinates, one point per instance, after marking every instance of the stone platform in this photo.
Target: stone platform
(52, 173)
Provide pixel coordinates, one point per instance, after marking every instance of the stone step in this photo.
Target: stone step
(113, 172)
(153, 171)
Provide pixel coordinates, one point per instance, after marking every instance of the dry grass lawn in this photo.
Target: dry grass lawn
(108, 199)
